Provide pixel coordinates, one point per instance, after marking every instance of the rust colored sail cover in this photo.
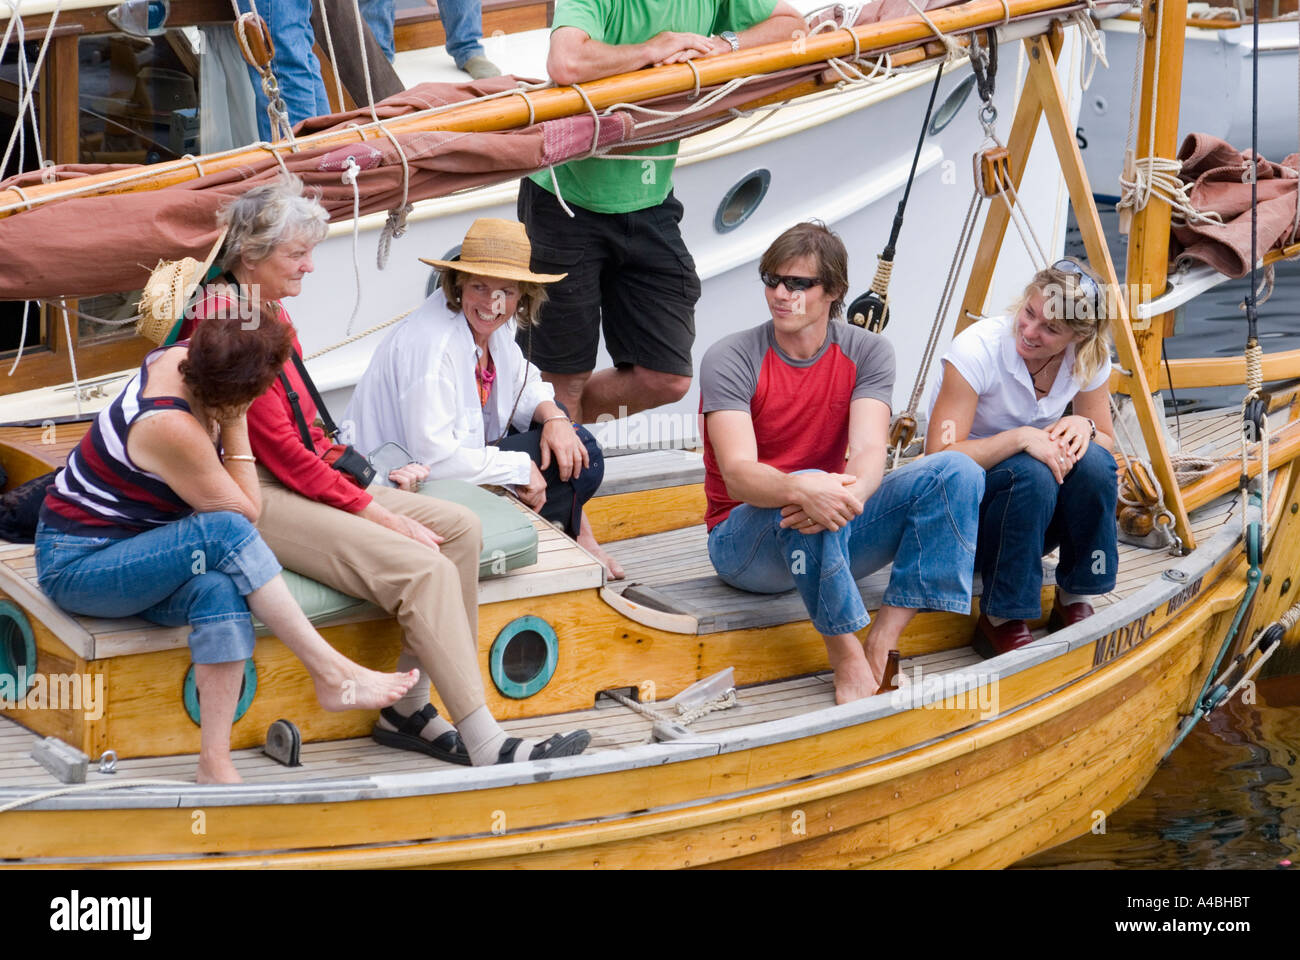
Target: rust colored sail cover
(1217, 175)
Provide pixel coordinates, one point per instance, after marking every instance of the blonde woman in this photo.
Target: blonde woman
(1001, 399)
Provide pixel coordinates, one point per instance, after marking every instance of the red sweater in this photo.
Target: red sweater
(273, 432)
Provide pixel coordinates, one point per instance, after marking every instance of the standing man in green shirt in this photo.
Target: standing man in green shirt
(628, 269)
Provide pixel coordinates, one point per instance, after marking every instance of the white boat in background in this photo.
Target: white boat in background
(1216, 91)
(842, 157)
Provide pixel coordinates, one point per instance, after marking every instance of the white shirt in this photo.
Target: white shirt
(420, 391)
(985, 355)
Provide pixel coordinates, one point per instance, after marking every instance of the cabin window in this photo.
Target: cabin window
(17, 652)
(523, 657)
(740, 202)
(951, 105)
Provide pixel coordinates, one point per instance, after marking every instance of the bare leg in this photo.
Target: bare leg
(568, 391)
(621, 391)
(218, 686)
(886, 628)
(340, 683)
(588, 540)
(853, 677)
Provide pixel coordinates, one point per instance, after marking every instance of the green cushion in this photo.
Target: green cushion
(509, 537)
(509, 542)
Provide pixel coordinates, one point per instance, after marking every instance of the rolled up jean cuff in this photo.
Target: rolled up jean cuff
(250, 563)
(223, 638)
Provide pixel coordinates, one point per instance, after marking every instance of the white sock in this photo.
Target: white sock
(1068, 598)
(482, 736)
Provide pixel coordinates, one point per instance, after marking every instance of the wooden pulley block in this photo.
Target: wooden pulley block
(994, 166)
(1135, 521)
(902, 431)
(254, 38)
(1138, 484)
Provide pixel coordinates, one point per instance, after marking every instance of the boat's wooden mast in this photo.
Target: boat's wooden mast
(1043, 97)
(1148, 242)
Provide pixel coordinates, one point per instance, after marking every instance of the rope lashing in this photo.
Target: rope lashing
(1159, 176)
(955, 51)
(349, 177)
(663, 725)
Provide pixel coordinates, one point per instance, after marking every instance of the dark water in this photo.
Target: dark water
(1229, 796)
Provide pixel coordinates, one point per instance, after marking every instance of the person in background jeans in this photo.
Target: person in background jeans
(796, 426)
(295, 66)
(461, 19)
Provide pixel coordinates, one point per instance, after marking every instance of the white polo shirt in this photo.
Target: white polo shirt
(985, 355)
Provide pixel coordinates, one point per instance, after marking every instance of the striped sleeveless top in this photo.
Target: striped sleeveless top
(101, 493)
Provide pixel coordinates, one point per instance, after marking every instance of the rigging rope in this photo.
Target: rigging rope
(27, 105)
(334, 60)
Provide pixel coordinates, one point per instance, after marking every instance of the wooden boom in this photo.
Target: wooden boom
(506, 113)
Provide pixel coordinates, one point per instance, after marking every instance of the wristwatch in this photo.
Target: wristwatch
(731, 38)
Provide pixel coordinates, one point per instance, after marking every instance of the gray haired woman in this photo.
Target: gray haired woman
(414, 557)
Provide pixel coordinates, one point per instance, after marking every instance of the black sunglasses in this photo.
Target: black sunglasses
(793, 284)
(1086, 283)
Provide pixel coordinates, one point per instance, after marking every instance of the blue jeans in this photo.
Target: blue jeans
(461, 19)
(295, 66)
(195, 571)
(1026, 513)
(379, 16)
(922, 519)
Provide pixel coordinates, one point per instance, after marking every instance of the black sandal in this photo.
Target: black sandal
(557, 745)
(446, 746)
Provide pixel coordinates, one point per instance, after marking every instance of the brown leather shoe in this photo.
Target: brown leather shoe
(890, 679)
(1068, 614)
(991, 641)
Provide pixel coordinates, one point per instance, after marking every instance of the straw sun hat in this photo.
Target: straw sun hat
(497, 248)
(167, 293)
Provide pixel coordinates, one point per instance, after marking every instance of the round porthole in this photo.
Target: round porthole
(523, 657)
(247, 690)
(951, 105)
(741, 201)
(435, 277)
(17, 653)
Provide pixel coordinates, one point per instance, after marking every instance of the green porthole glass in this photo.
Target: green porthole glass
(17, 652)
(524, 656)
(247, 690)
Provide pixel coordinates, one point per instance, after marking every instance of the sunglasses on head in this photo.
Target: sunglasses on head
(1086, 283)
(793, 284)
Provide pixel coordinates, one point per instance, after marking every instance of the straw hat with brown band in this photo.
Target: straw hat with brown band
(497, 248)
(167, 293)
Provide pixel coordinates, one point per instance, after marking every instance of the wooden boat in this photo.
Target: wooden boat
(974, 763)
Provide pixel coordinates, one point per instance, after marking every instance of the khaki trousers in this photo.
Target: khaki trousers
(433, 594)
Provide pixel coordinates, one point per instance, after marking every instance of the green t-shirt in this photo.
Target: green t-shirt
(620, 186)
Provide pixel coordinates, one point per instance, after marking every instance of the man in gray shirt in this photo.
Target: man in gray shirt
(795, 434)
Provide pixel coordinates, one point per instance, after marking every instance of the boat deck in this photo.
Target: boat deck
(663, 562)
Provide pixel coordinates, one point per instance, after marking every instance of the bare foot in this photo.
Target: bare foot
(587, 540)
(854, 681)
(854, 678)
(217, 771)
(356, 688)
